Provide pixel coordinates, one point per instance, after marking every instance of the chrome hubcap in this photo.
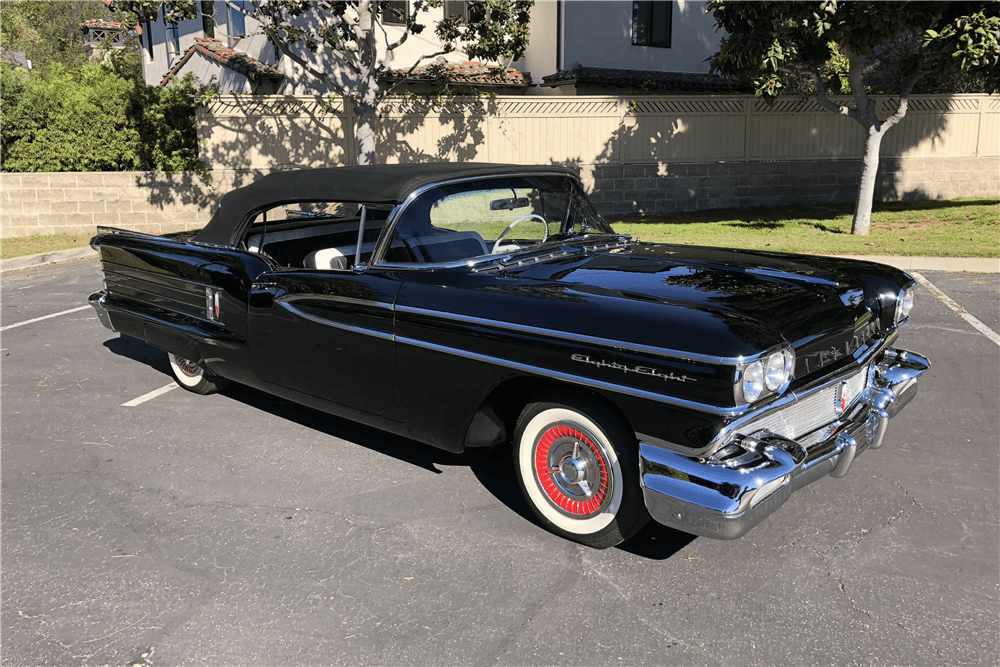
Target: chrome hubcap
(572, 470)
(187, 367)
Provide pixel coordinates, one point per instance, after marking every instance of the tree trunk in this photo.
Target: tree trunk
(866, 187)
(364, 132)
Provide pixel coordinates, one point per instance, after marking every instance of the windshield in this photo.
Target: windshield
(480, 218)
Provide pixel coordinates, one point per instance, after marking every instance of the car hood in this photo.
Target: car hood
(759, 299)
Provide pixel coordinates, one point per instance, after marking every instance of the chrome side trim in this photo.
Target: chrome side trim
(581, 338)
(160, 277)
(395, 266)
(385, 305)
(575, 379)
(336, 325)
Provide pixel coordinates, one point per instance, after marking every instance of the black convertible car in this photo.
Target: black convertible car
(478, 305)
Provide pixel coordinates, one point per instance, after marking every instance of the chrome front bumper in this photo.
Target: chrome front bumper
(726, 497)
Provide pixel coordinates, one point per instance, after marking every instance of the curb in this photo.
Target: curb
(15, 263)
(968, 264)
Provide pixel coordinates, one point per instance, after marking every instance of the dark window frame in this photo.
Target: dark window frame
(171, 35)
(389, 11)
(147, 39)
(652, 23)
(208, 18)
(234, 17)
(459, 8)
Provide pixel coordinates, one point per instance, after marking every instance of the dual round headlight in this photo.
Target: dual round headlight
(772, 373)
(904, 304)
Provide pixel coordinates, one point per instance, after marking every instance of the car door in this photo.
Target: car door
(328, 334)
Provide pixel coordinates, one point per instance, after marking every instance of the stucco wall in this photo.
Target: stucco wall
(599, 34)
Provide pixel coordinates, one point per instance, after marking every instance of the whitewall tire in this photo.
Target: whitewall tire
(577, 465)
(193, 377)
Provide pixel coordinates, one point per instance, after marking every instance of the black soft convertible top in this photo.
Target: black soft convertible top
(376, 184)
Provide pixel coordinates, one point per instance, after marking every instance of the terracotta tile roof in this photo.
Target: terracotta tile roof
(644, 79)
(101, 23)
(470, 71)
(227, 57)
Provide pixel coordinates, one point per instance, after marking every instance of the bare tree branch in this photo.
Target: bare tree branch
(904, 94)
(829, 104)
(855, 75)
(284, 48)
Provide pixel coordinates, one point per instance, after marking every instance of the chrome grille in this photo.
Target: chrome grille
(811, 412)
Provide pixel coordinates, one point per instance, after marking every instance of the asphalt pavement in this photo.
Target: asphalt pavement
(242, 529)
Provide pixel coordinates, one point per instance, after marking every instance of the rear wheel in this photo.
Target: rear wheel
(577, 465)
(193, 377)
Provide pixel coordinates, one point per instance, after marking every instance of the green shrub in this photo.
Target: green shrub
(97, 118)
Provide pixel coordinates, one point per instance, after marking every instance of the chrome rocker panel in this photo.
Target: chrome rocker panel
(724, 499)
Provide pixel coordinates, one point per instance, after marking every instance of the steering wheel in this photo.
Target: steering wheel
(511, 226)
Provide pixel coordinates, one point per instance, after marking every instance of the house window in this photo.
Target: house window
(173, 37)
(462, 9)
(237, 21)
(394, 13)
(208, 18)
(651, 23)
(147, 39)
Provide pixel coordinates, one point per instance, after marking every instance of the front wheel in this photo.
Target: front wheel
(193, 377)
(577, 465)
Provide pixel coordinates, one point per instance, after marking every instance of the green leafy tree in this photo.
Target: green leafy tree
(48, 32)
(346, 46)
(774, 46)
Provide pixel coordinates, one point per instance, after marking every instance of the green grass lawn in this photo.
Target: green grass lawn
(957, 228)
(29, 245)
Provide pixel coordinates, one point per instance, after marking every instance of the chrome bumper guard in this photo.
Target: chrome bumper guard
(97, 301)
(727, 494)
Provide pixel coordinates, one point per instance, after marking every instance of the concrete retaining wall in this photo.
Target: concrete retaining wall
(152, 202)
(668, 188)
(76, 203)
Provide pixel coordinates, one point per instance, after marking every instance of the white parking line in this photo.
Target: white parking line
(151, 395)
(44, 317)
(961, 312)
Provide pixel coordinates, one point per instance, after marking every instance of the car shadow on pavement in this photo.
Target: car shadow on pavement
(657, 542)
(493, 467)
(141, 351)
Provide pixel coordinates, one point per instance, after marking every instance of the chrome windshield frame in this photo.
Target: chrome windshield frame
(390, 227)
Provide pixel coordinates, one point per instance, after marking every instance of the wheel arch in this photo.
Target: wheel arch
(494, 420)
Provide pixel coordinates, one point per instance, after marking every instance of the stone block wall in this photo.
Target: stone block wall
(156, 203)
(698, 186)
(76, 203)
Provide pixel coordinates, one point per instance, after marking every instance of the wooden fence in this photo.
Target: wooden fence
(264, 133)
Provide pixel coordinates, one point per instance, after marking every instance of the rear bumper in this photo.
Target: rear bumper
(724, 500)
(97, 301)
